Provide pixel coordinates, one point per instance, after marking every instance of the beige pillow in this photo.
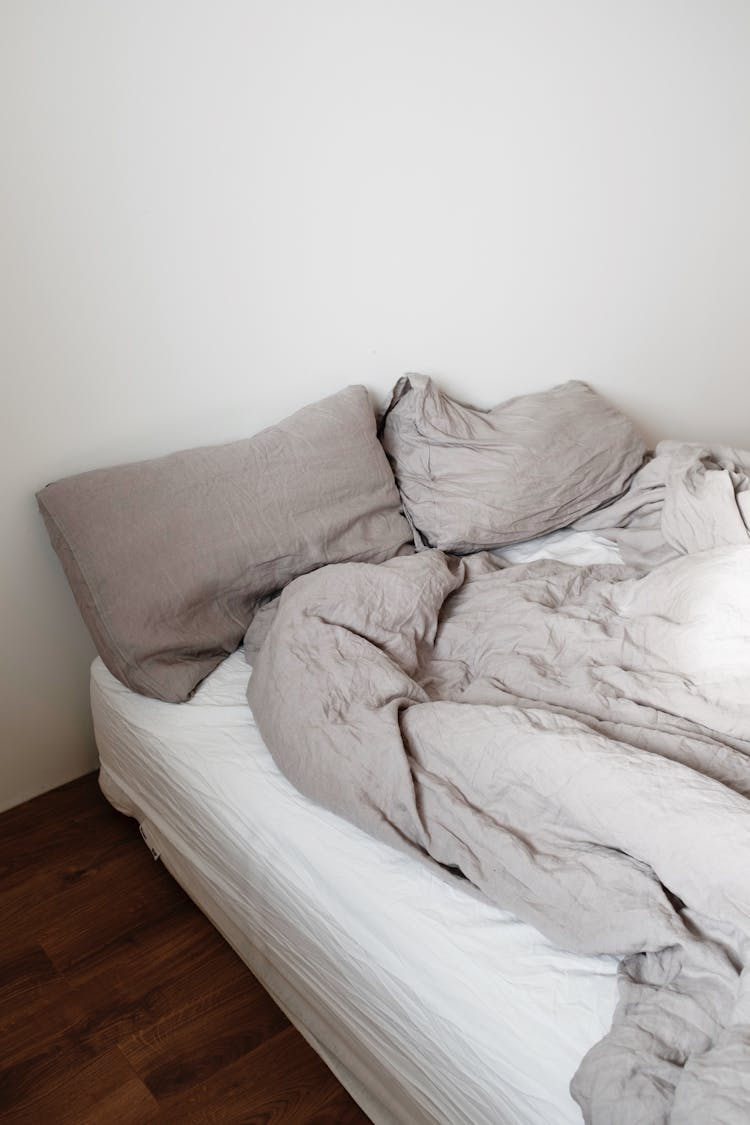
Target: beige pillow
(168, 559)
(473, 479)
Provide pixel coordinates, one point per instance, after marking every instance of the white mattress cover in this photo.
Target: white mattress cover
(447, 1009)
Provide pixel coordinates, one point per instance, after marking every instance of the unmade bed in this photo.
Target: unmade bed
(447, 756)
(430, 1004)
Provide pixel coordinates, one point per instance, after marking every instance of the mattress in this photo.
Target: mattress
(429, 1003)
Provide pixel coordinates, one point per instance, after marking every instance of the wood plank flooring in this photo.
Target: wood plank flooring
(119, 1002)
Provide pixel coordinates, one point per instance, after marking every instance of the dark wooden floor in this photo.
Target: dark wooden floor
(119, 1002)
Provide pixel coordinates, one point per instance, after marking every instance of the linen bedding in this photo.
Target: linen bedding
(475, 479)
(574, 740)
(687, 498)
(420, 994)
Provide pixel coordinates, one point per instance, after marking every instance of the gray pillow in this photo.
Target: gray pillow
(168, 559)
(474, 479)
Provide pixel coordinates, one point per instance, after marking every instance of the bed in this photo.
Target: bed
(483, 829)
(428, 1003)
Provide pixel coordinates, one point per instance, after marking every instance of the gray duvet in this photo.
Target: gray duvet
(687, 498)
(575, 741)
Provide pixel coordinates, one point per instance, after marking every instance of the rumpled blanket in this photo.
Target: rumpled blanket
(687, 498)
(576, 741)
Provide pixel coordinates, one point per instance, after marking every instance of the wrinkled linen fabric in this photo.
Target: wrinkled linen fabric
(575, 741)
(475, 479)
(169, 559)
(687, 498)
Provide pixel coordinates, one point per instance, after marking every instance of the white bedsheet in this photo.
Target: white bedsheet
(461, 1014)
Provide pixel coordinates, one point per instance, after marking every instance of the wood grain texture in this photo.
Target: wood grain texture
(119, 1002)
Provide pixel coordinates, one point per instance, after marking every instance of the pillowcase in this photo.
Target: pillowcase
(169, 559)
(475, 479)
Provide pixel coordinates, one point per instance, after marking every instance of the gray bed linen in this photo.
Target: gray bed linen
(474, 479)
(575, 740)
(686, 498)
(169, 559)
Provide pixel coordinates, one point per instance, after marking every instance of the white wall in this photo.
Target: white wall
(214, 212)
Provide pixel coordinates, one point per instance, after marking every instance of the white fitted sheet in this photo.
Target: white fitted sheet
(432, 1005)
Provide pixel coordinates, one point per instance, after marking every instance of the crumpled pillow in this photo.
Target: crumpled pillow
(474, 479)
(169, 559)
